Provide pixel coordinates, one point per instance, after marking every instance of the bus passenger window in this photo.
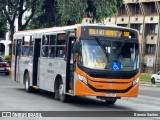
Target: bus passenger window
(45, 51)
(30, 51)
(25, 50)
(52, 39)
(45, 46)
(52, 51)
(45, 40)
(60, 51)
(60, 47)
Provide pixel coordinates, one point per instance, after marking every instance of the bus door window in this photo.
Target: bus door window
(17, 59)
(45, 46)
(19, 48)
(61, 44)
(27, 44)
(72, 63)
(52, 46)
(31, 47)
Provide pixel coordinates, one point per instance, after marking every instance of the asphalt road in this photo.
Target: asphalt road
(14, 98)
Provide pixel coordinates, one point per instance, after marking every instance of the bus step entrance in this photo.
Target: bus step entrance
(70, 94)
(35, 87)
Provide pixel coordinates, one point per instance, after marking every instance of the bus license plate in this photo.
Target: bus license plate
(111, 95)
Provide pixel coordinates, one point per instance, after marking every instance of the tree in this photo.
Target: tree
(67, 12)
(47, 16)
(13, 9)
(75, 10)
(57, 13)
(71, 10)
(3, 26)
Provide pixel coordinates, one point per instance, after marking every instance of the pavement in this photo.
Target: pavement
(14, 98)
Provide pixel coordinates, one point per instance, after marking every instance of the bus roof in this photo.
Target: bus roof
(64, 28)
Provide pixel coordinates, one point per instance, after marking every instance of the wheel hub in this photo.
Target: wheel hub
(61, 88)
(26, 83)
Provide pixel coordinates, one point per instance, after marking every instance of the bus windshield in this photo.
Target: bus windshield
(109, 55)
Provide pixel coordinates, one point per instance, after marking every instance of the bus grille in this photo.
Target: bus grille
(112, 91)
(111, 76)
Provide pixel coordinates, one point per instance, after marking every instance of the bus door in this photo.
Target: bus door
(46, 63)
(71, 63)
(17, 59)
(36, 55)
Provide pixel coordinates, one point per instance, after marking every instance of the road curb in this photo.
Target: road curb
(149, 85)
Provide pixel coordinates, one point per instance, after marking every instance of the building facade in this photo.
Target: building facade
(143, 15)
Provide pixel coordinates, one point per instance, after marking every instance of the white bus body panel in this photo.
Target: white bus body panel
(26, 63)
(49, 69)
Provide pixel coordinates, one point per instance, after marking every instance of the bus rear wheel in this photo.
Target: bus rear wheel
(110, 101)
(28, 88)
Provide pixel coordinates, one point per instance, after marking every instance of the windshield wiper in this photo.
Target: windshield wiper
(100, 44)
(123, 43)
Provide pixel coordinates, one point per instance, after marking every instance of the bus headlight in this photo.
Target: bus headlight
(82, 78)
(135, 82)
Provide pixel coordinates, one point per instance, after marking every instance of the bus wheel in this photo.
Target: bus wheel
(61, 92)
(28, 88)
(110, 102)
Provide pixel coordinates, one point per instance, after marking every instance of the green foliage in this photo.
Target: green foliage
(45, 16)
(7, 57)
(3, 26)
(75, 10)
(49, 13)
(17, 9)
(105, 8)
(71, 10)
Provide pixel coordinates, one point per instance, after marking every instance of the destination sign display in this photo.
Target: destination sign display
(108, 32)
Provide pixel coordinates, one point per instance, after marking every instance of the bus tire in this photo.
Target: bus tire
(62, 96)
(110, 102)
(28, 88)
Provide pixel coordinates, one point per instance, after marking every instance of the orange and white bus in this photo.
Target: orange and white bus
(78, 60)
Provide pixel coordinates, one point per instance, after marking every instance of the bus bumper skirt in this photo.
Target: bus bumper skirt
(81, 89)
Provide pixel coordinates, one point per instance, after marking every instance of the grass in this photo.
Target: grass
(146, 77)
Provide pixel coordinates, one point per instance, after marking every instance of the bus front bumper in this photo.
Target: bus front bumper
(81, 89)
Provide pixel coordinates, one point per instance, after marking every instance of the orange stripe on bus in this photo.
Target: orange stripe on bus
(79, 31)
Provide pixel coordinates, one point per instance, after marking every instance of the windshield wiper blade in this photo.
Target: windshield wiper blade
(123, 43)
(100, 44)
